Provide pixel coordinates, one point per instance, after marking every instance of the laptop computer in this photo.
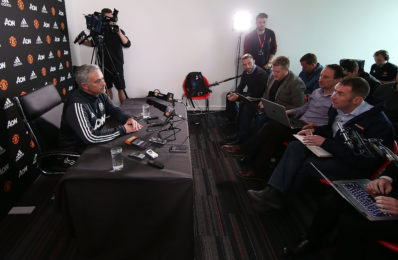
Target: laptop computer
(252, 102)
(355, 193)
(277, 112)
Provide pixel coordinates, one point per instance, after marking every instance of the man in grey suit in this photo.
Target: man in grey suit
(283, 87)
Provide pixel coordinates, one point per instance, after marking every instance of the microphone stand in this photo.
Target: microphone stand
(175, 130)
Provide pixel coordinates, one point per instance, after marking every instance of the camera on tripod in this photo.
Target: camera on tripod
(97, 24)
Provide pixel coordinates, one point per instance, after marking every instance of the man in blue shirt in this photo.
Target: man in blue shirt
(310, 73)
(264, 145)
(294, 171)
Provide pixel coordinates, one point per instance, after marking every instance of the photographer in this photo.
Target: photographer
(113, 40)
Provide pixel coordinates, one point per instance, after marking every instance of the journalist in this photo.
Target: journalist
(112, 39)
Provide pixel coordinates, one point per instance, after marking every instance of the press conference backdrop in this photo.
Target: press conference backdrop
(34, 52)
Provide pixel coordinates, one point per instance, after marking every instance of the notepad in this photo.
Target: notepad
(21, 210)
(317, 150)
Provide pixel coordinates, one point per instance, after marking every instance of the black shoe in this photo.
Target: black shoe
(304, 248)
(231, 137)
(232, 142)
(244, 159)
(269, 197)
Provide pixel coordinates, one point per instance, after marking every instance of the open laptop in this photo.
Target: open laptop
(277, 112)
(249, 100)
(355, 192)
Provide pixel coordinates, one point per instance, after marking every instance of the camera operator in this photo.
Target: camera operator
(114, 40)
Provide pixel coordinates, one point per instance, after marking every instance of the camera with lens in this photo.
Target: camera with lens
(98, 23)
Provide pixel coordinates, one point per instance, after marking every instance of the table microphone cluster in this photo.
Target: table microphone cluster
(369, 147)
(169, 97)
(168, 111)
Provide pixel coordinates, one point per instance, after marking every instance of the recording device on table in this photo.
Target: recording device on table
(157, 140)
(136, 155)
(151, 154)
(178, 149)
(134, 140)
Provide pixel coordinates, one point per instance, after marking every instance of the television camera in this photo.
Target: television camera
(98, 24)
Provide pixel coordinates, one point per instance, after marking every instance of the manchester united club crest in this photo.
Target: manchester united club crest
(3, 84)
(30, 59)
(13, 41)
(36, 23)
(15, 139)
(21, 5)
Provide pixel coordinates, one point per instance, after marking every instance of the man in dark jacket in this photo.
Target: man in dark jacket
(114, 41)
(356, 237)
(85, 113)
(351, 69)
(311, 70)
(255, 79)
(261, 43)
(348, 108)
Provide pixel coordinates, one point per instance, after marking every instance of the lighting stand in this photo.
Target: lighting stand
(238, 59)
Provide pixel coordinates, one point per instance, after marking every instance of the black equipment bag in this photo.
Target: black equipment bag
(195, 85)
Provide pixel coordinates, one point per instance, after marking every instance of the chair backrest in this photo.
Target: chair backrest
(389, 94)
(361, 63)
(42, 112)
(386, 163)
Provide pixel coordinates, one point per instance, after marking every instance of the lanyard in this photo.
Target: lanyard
(259, 40)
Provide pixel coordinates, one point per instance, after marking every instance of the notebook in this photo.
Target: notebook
(317, 150)
(277, 112)
(355, 193)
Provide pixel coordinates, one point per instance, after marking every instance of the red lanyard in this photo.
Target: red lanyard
(259, 40)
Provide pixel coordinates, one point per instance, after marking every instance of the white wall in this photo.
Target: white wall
(174, 37)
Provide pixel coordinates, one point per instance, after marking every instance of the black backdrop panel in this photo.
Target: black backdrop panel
(34, 52)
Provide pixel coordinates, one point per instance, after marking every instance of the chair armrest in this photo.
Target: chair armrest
(56, 162)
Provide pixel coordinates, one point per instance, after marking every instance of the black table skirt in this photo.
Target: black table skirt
(139, 212)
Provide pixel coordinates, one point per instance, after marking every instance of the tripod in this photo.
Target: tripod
(99, 50)
(171, 127)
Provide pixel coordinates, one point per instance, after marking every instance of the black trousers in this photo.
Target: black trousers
(266, 143)
(356, 237)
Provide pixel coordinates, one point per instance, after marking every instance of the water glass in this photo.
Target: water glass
(145, 111)
(117, 158)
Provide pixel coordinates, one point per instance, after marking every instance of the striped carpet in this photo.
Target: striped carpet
(225, 224)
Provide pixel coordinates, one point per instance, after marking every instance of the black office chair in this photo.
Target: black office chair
(361, 64)
(41, 111)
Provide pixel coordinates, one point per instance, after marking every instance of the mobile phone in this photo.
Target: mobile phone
(150, 119)
(136, 155)
(157, 140)
(151, 154)
(140, 143)
(178, 149)
(130, 139)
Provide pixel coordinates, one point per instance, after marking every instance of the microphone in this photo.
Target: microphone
(81, 35)
(344, 133)
(169, 97)
(167, 110)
